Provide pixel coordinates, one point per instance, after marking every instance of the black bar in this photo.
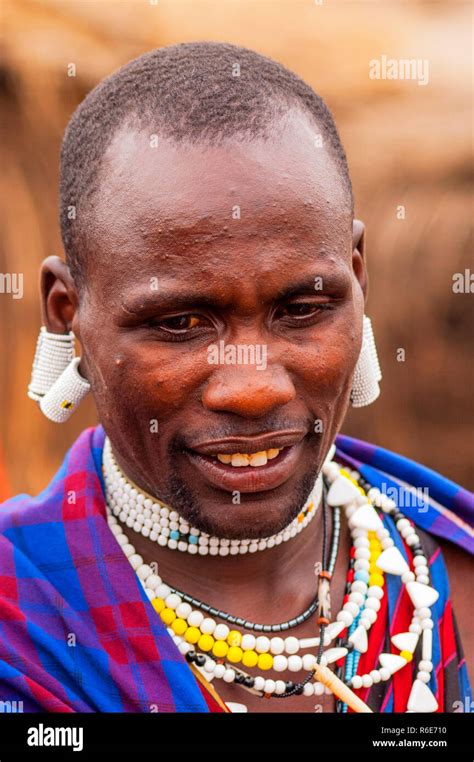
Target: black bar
(128, 735)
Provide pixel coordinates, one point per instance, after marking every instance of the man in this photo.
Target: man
(215, 278)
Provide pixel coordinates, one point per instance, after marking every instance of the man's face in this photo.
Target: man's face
(223, 316)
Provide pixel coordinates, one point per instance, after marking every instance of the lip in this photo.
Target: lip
(247, 479)
(232, 445)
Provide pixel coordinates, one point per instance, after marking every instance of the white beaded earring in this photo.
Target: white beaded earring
(54, 352)
(55, 380)
(367, 373)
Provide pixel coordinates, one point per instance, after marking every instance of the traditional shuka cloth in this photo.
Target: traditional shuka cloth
(79, 634)
(438, 507)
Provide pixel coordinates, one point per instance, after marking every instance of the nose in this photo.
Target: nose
(247, 390)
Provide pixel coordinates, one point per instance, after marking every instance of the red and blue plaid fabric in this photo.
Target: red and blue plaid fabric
(78, 634)
(438, 507)
(433, 502)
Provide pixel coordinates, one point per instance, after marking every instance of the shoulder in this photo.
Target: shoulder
(12, 510)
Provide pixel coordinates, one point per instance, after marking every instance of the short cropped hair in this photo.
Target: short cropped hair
(199, 91)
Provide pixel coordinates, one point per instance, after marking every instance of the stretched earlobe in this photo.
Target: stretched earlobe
(367, 374)
(56, 383)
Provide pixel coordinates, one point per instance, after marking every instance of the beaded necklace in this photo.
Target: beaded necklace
(216, 650)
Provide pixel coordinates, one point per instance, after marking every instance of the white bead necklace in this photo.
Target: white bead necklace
(363, 516)
(363, 603)
(148, 516)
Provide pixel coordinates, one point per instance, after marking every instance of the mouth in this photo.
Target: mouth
(248, 465)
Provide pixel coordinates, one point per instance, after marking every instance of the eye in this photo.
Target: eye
(180, 323)
(301, 310)
(179, 327)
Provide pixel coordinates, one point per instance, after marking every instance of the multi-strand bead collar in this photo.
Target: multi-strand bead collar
(223, 653)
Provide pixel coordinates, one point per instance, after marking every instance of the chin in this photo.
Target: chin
(248, 520)
(257, 516)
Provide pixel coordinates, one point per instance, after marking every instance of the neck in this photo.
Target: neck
(266, 586)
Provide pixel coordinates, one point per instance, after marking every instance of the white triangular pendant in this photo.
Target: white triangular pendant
(366, 517)
(392, 662)
(359, 639)
(236, 708)
(333, 654)
(392, 561)
(421, 698)
(342, 492)
(405, 641)
(422, 595)
(333, 630)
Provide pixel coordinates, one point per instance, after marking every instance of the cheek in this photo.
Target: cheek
(148, 379)
(331, 360)
(325, 368)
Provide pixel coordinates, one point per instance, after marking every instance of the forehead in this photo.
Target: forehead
(191, 208)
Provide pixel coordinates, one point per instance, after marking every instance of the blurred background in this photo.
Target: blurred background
(408, 145)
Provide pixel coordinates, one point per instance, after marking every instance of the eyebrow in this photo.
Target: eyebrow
(147, 301)
(333, 281)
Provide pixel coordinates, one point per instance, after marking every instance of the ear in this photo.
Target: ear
(59, 298)
(358, 255)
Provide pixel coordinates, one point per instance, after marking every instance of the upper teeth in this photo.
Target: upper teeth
(255, 459)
